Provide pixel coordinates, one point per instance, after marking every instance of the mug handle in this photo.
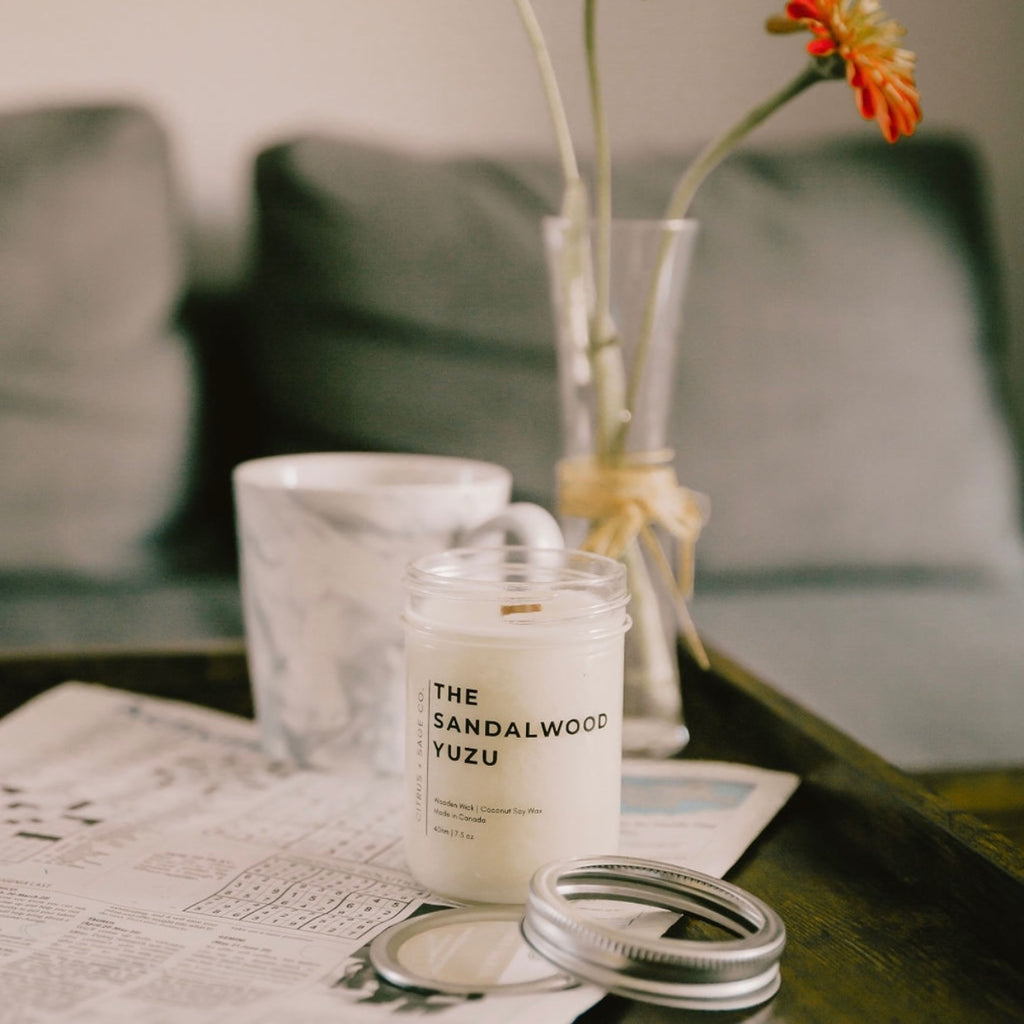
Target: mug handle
(526, 523)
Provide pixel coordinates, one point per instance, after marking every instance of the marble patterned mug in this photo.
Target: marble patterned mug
(324, 540)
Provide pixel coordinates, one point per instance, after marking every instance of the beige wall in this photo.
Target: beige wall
(229, 75)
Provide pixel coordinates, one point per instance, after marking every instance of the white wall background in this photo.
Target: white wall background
(227, 76)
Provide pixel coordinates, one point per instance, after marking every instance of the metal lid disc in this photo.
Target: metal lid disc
(468, 951)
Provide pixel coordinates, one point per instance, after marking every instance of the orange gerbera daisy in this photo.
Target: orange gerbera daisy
(878, 69)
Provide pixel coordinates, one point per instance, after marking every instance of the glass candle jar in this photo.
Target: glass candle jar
(514, 661)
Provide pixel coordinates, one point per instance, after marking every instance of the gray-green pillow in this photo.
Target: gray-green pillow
(833, 393)
(97, 387)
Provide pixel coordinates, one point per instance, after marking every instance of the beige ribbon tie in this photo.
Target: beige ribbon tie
(623, 500)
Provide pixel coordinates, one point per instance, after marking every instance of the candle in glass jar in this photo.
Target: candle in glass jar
(514, 716)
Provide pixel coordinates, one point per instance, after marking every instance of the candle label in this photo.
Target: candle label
(513, 760)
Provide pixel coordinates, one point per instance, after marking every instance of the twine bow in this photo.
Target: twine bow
(624, 500)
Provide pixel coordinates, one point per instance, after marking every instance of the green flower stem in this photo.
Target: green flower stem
(553, 96)
(679, 204)
(603, 351)
(606, 357)
(643, 346)
(604, 329)
(718, 149)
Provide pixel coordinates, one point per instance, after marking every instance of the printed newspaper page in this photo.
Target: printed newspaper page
(154, 866)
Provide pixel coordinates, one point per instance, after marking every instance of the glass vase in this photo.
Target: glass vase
(617, 298)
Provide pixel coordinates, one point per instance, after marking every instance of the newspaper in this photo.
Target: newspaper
(155, 866)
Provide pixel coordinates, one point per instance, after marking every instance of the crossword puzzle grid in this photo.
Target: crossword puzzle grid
(290, 892)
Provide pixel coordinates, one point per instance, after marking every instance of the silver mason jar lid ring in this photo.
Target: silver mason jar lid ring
(687, 973)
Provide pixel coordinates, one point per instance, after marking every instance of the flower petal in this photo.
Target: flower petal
(880, 72)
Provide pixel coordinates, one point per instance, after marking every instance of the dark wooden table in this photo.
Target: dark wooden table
(898, 907)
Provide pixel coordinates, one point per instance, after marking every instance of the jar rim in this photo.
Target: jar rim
(476, 573)
(523, 592)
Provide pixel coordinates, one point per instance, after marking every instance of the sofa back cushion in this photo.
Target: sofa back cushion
(835, 394)
(97, 388)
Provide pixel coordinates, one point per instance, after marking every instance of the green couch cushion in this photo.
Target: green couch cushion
(833, 397)
(97, 393)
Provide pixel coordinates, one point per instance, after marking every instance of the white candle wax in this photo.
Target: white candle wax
(514, 719)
